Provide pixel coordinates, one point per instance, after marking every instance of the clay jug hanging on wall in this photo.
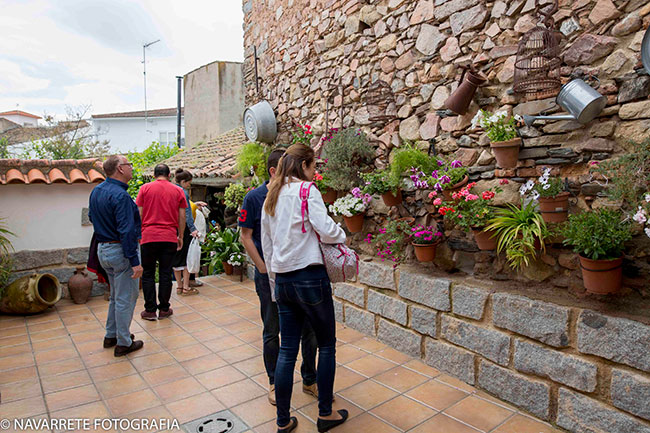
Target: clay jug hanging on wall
(470, 80)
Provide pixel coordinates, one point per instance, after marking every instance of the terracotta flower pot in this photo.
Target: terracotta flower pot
(486, 240)
(425, 252)
(354, 223)
(602, 277)
(554, 209)
(330, 196)
(454, 188)
(227, 268)
(80, 286)
(237, 270)
(204, 270)
(390, 199)
(506, 152)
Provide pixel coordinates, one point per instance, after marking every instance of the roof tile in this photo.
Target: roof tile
(50, 171)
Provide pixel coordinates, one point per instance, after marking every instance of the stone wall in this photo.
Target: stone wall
(576, 368)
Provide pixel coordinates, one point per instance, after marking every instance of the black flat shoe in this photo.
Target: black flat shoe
(328, 424)
(110, 342)
(293, 423)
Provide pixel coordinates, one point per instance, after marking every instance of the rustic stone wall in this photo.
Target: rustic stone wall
(574, 367)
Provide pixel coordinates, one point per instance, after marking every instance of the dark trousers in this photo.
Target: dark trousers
(271, 335)
(161, 253)
(300, 302)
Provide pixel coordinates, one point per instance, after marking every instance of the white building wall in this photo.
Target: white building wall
(129, 134)
(46, 217)
(21, 120)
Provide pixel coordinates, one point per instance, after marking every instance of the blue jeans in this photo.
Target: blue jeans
(124, 292)
(298, 301)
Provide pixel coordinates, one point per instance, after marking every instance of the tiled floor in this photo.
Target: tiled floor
(207, 358)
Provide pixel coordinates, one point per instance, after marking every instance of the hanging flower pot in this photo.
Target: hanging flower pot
(391, 199)
(602, 277)
(330, 196)
(447, 193)
(506, 152)
(227, 268)
(554, 209)
(355, 222)
(425, 252)
(486, 240)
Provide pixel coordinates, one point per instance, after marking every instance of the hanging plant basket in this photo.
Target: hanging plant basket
(447, 193)
(391, 199)
(506, 152)
(355, 222)
(554, 209)
(602, 277)
(486, 240)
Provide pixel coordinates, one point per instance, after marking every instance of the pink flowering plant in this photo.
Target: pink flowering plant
(425, 235)
(352, 204)
(391, 241)
(469, 210)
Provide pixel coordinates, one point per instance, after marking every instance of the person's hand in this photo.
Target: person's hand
(200, 204)
(262, 270)
(137, 272)
(179, 243)
(195, 234)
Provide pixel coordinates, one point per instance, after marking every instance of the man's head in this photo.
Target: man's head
(118, 168)
(161, 170)
(272, 162)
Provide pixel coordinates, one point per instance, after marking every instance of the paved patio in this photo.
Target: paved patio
(207, 358)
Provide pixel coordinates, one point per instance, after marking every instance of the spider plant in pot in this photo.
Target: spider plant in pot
(521, 232)
(383, 183)
(425, 239)
(353, 208)
(599, 238)
(501, 131)
(550, 194)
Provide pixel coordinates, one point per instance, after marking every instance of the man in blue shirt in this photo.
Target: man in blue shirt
(116, 221)
(250, 223)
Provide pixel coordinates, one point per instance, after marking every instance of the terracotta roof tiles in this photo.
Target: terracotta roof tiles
(30, 171)
(162, 112)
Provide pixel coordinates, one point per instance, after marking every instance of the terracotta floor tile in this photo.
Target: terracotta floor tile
(443, 424)
(437, 395)
(80, 328)
(177, 341)
(190, 352)
(199, 325)
(91, 347)
(100, 359)
(225, 319)
(403, 413)
(523, 424)
(250, 335)
(11, 331)
(348, 353)
(80, 318)
(349, 335)
(239, 353)
(255, 412)
(179, 389)
(71, 397)
(47, 335)
(345, 378)
(165, 374)
(311, 410)
(421, 368)
(14, 340)
(253, 366)
(485, 396)
(18, 349)
(181, 319)
(20, 390)
(56, 355)
(369, 344)
(133, 402)
(479, 413)
(239, 392)
(209, 334)
(91, 411)
(162, 333)
(394, 355)
(150, 347)
(456, 383)
(298, 398)
(368, 394)
(46, 316)
(24, 408)
(63, 367)
(47, 326)
(112, 371)
(240, 326)
(85, 337)
(149, 362)
(219, 377)
(401, 379)
(55, 343)
(223, 344)
(155, 413)
(121, 385)
(370, 365)
(65, 381)
(365, 423)
(16, 361)
(204, 363)
(194, 407)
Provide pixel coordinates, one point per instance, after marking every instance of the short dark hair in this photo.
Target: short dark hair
(161, 170)
(183, 175)
(274, 158)
(110, 165)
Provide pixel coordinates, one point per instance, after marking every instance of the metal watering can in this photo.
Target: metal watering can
(579, 99)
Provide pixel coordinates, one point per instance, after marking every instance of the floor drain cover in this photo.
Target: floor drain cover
(220, 422)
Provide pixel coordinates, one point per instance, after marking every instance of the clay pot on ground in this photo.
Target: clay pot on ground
(506, 152)
(425, 252)
(227, 268)
(31, 294)
(80, 285)
(602, 277)
(554, 209)
(447, 193)
(391, 199)
(486, 240)
(355, 222)
(330, 196)
(204, 270)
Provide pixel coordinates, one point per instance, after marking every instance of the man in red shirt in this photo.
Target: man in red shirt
(162, 209)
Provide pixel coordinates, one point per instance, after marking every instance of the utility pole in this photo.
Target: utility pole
(178, 111)
(144, 63)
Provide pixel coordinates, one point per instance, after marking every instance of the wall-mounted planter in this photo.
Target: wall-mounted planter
(447, 193)
(506, 152)
(486, 240)
(554, 209)
(425, 252)
(391, 199)
(602, 277)
(355, 222)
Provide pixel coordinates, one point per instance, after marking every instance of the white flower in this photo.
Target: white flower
(535, 195)
(213, 253)
(546, 172)
(647, 231)
(647, 198)
(530, 184)
(476, 121)
(640, 216)
(518, 118)
(546, 186)
(523, 190)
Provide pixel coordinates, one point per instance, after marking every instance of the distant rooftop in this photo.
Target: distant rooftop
(19, 113)
(162, 112)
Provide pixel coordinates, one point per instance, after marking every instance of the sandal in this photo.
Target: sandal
(188, 292)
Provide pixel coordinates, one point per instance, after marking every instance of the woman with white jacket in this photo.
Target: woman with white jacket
(290, 232)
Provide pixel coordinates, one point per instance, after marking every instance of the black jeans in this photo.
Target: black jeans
(299, 302)
(271, 335)
(161, 253)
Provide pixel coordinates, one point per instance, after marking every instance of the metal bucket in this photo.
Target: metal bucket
(259, 123)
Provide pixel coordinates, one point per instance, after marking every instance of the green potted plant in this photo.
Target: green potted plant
(425, 239)
(472, 212)
(236, 261)
(520, 231)
(449, 178)
(321, 180)
(599, 239)
(550, 194)
(502, 132)
(353, 208)
(409, 157)
(224, 245)
(381, 182)
(251, 160)
(347, 152)
(234, 194)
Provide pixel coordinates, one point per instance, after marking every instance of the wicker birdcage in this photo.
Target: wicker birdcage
(537, 66)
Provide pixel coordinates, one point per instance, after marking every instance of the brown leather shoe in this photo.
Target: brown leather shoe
(163, 314)
(124, 350)
(313, 391)
(110, 342)
(272, 394)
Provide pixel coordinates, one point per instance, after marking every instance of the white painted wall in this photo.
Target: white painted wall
(129, 133)
(46, 217)
(21, 120)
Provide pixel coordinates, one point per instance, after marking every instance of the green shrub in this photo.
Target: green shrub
(233, 196)
(152, 155)
(251, 160)
(598, 235)
(348, 152)
(409, 156)
(380, 182)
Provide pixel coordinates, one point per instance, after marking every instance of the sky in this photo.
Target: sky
(58, 53)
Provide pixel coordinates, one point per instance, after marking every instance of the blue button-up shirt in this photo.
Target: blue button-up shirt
(115, 217)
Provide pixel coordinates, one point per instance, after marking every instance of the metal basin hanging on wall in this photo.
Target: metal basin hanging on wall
(579, 99)
(31, 294)
(259, 123)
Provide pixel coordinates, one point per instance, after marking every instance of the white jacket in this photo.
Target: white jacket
(286, 248)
